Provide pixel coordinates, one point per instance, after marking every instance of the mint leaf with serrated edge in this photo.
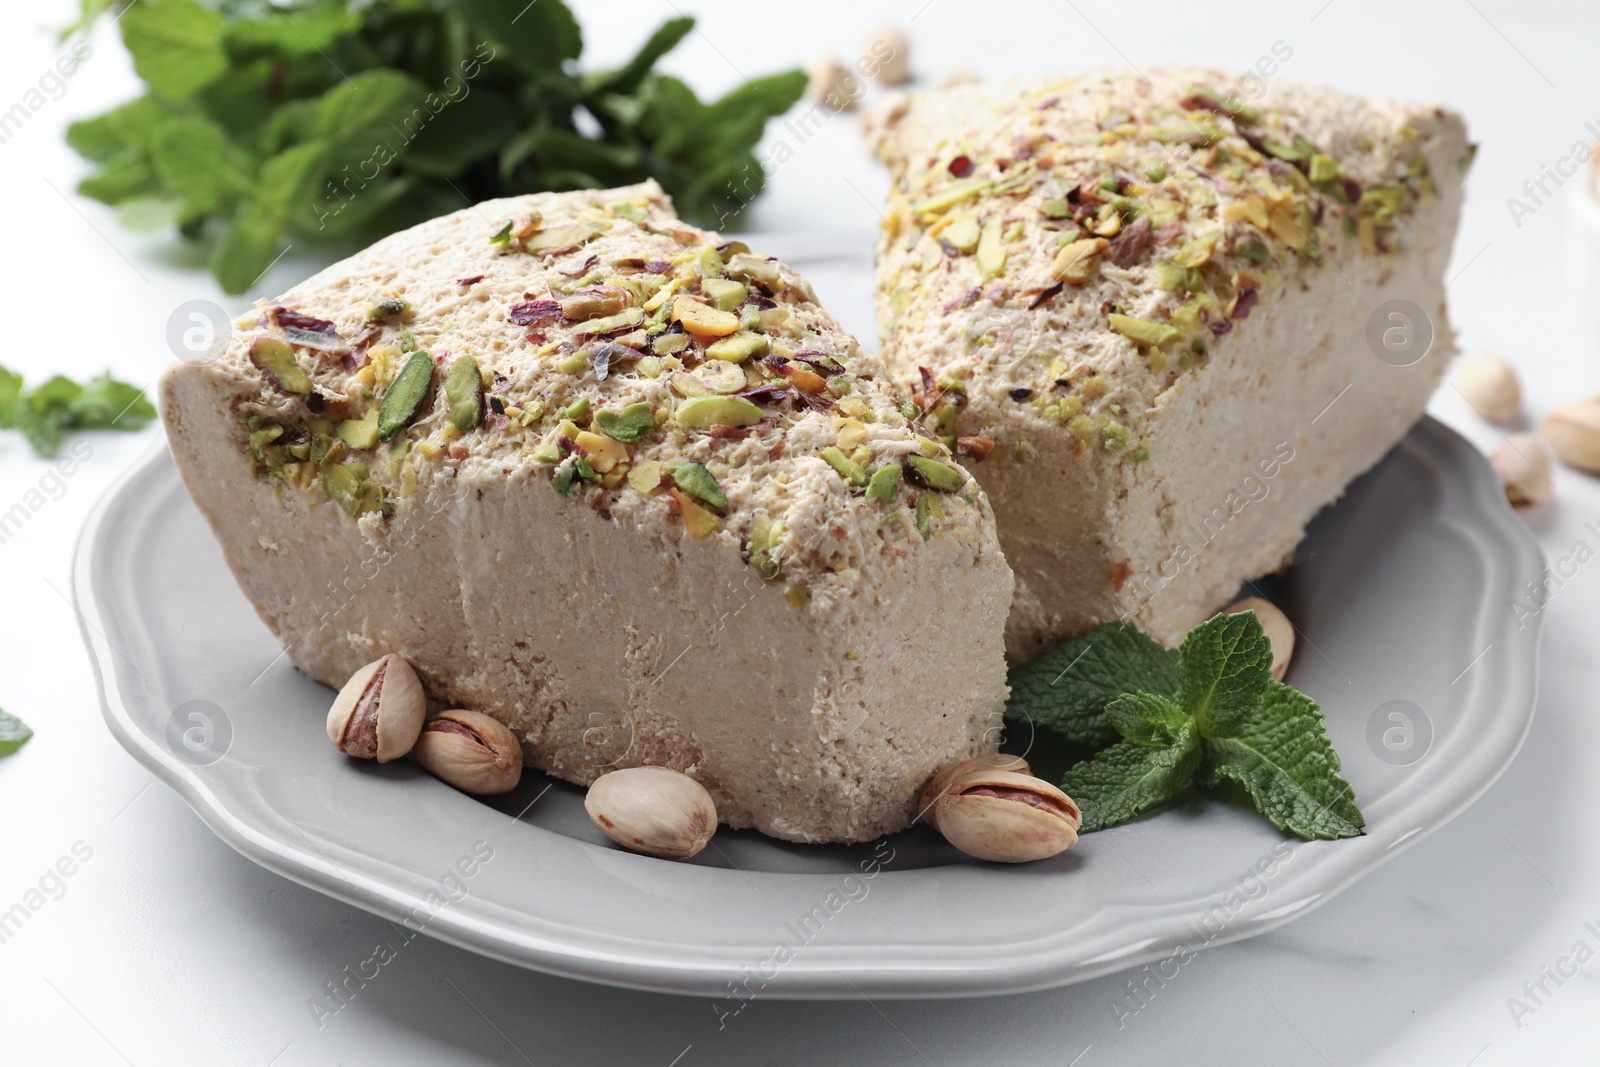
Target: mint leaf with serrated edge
(1130, 778)
(14, 733)
(1282, 757)
(48, 412)
(1066, 690)
(1225, 664)
(1209, 712)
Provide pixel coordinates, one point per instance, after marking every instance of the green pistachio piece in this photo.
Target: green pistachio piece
(736, 348)
(698, 482)
(1056, 208)
(388, 309)
(570, 470)
(1114, 436)
(991, 253)
(750, 317)
(1190, 316)
(348, 485)
(725, 294)
(463, 393)
(1253, 250)
(631, 212)
(502, 236)
(360, 433)
(1382, 200)
(884, 485)
(627, 424)
(1156, 171)
(1324, 168)
(962, 234)
(846, 468)
(563, 238)
(704, 412)
(761, 546)
(924, 527)
(1146, 333)
(936, 475)
(1168, 276)
(274, 358)
(576, 410)
(620, 321)
(405, 395)
(950, 196)
(572, 364)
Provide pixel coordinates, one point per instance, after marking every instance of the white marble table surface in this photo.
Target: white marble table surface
(164, 946)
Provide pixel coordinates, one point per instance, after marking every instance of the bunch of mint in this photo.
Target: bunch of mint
(47, 412)
(1159, 720)
(340, 121)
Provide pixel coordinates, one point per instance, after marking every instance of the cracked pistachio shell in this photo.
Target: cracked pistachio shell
(1278, 628)
(1006, 817)
(654, 810)
(379, 712)
(947, 776)
(471, 751)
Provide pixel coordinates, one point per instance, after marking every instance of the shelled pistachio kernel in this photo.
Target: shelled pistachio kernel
(891, 50)
(1523, 465)
(1490, 386)
(833, 84)
(471, 751)
(1275, 624)
(654, 810)
(379, 712)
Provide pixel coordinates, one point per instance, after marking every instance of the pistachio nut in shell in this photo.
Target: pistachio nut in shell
(1573, 433)
(1007, 817)
(948, 775)
(654, 810)
(1490, 386)
(1523, 464)
(1276, 625)
(379, 712)
(471, 751)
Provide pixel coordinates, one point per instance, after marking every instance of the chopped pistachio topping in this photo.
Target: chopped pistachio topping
(846, 468)
(884, 485)
(405, 395)
(936, 475)
(463, 393)
(627, 424)
(695, 480)
(704, 412)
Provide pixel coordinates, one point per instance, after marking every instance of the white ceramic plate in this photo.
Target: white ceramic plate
(1402, 593)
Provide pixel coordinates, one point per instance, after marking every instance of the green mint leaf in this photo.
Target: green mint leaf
(247, 247)
(131, 126)
(10, 398)
(1225, 665)
(1128, 778)
(626, 78)
(288, 33)
(1066, 690)
(107, 404)
(123, 179)
(14, 733)
(369, 109)
(539, 35)
(1281, 755)
(195, 159)
(176, 45)
(1147, 719)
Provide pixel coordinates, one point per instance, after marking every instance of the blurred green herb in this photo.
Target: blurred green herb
(14, 733)
(47, 412)
(339, 121)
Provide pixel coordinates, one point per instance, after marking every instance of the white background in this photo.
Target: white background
(167, 947)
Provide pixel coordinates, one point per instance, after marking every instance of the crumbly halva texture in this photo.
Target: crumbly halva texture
(622, 485)
(1141, 307)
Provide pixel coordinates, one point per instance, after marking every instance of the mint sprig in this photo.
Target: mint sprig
(1208, 713)
(336, 122)
(46, 413)
(14, 733)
